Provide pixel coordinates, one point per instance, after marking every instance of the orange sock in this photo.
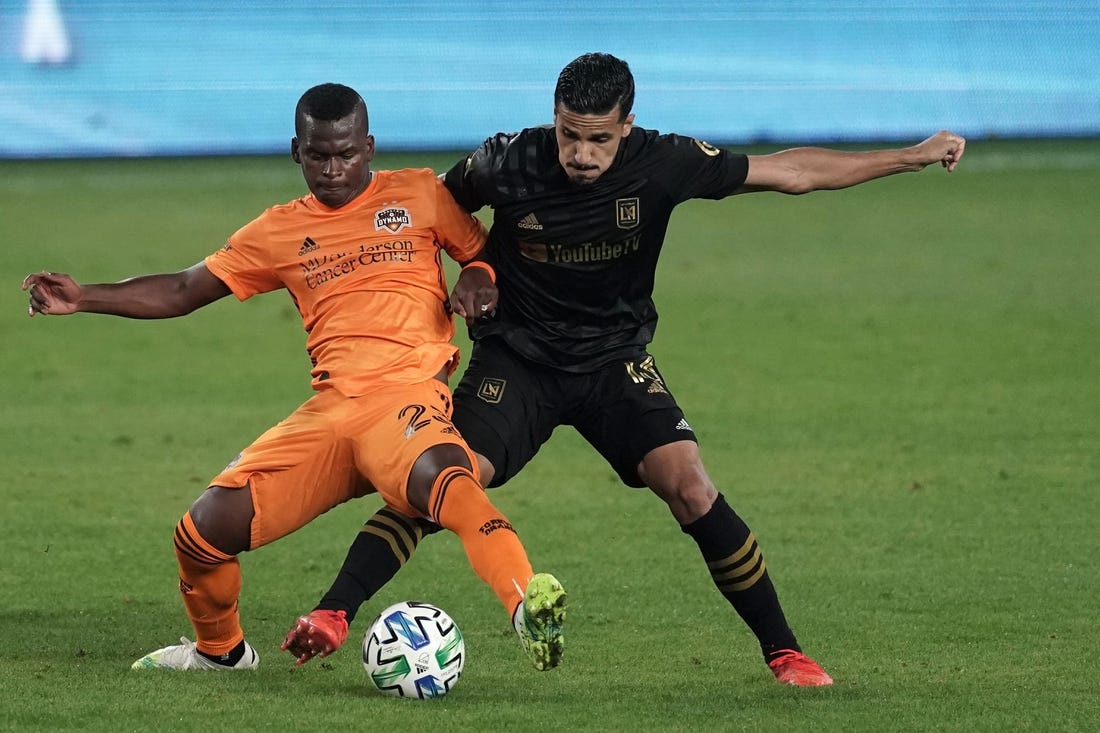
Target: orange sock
(210, 583)
(458, 503)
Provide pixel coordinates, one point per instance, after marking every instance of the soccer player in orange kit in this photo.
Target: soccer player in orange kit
(361, 258)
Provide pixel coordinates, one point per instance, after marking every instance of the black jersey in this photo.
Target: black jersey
(575, 264)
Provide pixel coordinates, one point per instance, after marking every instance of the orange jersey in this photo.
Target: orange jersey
(367, 278)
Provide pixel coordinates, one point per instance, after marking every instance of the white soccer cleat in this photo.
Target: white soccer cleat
(186, 656)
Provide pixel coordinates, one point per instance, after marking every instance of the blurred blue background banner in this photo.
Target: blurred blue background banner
(166, 77)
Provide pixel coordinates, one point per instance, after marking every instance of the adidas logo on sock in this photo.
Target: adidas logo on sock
(529, 222)
(307, 246)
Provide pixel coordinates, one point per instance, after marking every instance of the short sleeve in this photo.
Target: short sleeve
(701, 170)
(460, 233)
(243, 263)
(469, 180)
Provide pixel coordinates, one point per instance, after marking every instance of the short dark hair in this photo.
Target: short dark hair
(593, 84)
(328, 102)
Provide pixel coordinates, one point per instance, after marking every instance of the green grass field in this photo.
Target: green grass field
(898, 386)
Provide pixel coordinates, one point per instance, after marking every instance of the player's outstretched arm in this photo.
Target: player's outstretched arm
(801, 170)
(149, 296)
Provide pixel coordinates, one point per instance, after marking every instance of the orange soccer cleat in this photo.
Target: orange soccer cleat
(795, 668)
(318, 633)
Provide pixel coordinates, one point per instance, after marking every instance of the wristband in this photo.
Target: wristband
(485, 266)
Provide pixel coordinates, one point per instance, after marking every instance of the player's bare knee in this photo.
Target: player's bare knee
(427, 469)
(698, 500)
(675, 473)
(223, 517)
(687, 501)
(486, 468)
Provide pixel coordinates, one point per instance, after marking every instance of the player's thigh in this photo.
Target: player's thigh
(392, 429)
(505, 408)
(631, 412)
(297, 470)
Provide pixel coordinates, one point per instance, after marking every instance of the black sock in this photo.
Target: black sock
(386, 542)
(228, 659)
(737, 568)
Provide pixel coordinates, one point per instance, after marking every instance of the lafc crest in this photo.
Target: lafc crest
(491, 390)
(627, 215)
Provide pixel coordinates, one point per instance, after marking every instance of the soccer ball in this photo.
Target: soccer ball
(413, 649)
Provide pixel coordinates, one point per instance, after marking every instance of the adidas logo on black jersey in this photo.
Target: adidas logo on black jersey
(529, 222)
(307, 246)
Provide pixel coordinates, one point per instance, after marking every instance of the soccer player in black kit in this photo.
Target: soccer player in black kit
(561, 314)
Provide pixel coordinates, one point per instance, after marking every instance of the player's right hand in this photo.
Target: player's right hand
(51, 293)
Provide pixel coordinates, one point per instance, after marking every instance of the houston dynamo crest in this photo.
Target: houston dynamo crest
(394, 219)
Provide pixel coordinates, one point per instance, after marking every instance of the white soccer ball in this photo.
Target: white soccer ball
(413, 649)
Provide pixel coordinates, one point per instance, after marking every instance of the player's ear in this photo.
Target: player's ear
(294, 150)
(628, 124)
(368, 152)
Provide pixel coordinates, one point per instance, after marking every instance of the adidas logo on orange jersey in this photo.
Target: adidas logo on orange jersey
(307, 246)
(529, 222)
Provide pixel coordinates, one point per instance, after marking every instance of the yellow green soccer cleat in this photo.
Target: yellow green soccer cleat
(538, 621)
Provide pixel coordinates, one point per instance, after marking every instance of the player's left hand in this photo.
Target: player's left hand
(474, 294)
(945, 148)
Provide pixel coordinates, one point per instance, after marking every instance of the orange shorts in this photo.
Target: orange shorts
(334, 448)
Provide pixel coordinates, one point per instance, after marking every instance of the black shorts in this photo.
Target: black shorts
(506, 407)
